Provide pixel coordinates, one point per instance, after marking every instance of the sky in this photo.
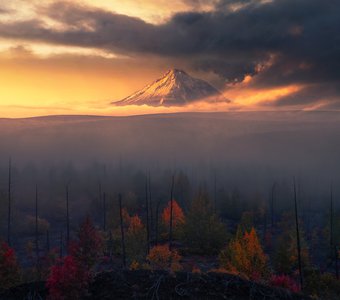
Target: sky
(77, 56)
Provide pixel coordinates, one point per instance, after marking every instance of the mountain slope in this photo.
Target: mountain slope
(174, 88)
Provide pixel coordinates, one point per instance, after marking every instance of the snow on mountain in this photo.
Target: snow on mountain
(174, 88)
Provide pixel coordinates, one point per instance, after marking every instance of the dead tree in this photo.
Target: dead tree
(122, 230)
(272, 204)
(100, 194)
(104, 211)
(171, 212)
(298, 243)
(157, 221)
(36, 226)
(331, 239)
(67, 218)
(9, 216)
(151, 211)
(333, 247)
(215, 192)
(61, 245)
(110, 246)
(336, 251)
(147, 216)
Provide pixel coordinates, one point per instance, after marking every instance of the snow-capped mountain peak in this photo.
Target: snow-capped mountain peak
(174, 88)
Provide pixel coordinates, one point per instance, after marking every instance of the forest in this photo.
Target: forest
(65, 225)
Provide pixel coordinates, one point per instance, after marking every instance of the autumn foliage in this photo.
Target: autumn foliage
(68, 280)
(284, 281)
(70, 277)
(177, 214)
(9, 268)
(245, 256)
(135, 239)
(161, 258)
(87, 249)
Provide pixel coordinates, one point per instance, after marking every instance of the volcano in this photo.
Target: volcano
(174, 88)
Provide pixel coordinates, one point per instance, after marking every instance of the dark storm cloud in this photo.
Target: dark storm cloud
(302, 38)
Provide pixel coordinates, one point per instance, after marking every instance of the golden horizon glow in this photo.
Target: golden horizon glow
(43, 79)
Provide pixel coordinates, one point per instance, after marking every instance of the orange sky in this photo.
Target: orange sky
(39, 78)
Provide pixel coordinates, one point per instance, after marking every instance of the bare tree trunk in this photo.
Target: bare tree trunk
(272, 204)
(157, 219)
(336, 262)
(67, 218)
(147, 217)
(215, 192)
(36, 226)
(110, 246)
(99, 199)
(298, 237)
(152, 227)
(104, 211)
(61, 245)
(334, 250)
(171, 212)
(122, 230)
(9, 202)
(331, 240)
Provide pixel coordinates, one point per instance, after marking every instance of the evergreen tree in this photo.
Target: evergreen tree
(204, 233)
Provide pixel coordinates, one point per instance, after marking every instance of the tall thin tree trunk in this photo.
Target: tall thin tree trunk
(171, 211)
(104, 211)
(215, 192)
(61, 245)
(336, 262)
(100, 194)
(147, 216)
(331, 241)
(334, 251)
(157, 220)
(36, 226)
(152, 228)
(9, 216)
(298, 237)
(110, 246)
(122, 230)
(272, 204)
(67, 218)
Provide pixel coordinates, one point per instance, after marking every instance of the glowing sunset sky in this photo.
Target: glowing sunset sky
(75, 57)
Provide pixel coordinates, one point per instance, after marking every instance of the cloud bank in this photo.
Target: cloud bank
(276, 43)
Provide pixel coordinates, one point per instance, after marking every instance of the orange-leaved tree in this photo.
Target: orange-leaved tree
(177, 214)
(178, 218)
(244, 256)
(161, 258)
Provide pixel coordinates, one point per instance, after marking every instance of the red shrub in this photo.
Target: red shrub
(9, 268)
(284, 281)
(87, 249)
(68, 280)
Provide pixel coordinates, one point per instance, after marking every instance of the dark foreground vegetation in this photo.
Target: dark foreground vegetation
(145, 284)
(164, 237)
